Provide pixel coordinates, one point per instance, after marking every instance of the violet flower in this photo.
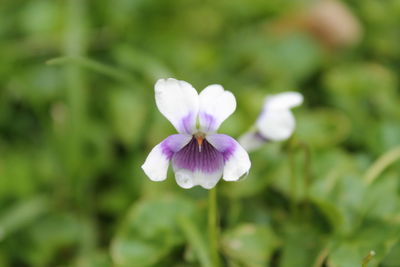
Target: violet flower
(198, 156)
(276, 121)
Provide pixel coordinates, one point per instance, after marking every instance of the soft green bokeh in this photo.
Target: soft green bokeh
(74, 132)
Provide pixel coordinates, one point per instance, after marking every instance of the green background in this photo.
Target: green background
(74, 132)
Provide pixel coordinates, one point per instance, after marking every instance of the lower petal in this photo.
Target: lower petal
(198, 164)
(156, 164)
(237, 161)
(187, 179)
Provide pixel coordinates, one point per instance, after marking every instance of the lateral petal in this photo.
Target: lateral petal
(156, 164)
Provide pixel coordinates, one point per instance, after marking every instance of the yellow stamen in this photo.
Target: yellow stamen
(199, 141)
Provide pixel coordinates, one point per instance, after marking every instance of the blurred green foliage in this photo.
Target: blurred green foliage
(74, 133)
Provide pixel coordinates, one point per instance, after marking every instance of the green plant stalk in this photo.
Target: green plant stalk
(293, 179)
(213, 231)
(381, 164)
(368, 258)
(198, 244)
(94, 66)
(75, 45)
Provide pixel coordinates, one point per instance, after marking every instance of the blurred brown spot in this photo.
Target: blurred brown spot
(331, 22)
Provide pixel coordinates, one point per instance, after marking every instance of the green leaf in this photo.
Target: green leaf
(128, 114)
(379, 236)
(301, 246)
(151, 230)
(249, 244)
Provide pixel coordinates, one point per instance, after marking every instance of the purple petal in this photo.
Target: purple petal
(174, 143)
(186, 125)
(236, 158)
(208, 122)
(225, 144)
(191, 157)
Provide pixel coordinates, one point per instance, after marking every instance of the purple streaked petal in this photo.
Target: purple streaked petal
(192, 157)
(188, 124)
(225, 144)
(237, 161)
(156, 164)
(208, 122)
(195, 165)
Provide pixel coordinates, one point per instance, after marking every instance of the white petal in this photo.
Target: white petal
(276, 125)
(216, 105)
(156, 164)
(284, 100)
(178, 101)
(251, 141)
(187, 179)
(277, 122)
(237, 161)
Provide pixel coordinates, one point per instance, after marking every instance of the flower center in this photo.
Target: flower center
(199, 136)
(204, 158)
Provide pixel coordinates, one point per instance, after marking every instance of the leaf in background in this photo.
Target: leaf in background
(55, 234)
(323, 128)
(249, 244)
(379, 236)
(301, 245)
(151, 230)
(128, 114)
(20, 215)
(266, 165)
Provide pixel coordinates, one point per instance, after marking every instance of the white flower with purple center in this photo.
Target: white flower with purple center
(199, 156)
(276, 121)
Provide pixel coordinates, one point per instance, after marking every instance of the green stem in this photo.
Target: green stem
(76, 45)
(213, 233)
(293, 180)
(368, 258)
(198, 244)
(381, 164)
(95, 66)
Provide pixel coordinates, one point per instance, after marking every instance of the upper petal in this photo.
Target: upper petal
(237, 161)
(178, 101)
(216, 105)
(276, 121)
(284, 100)
(156, 164)
(276, 125)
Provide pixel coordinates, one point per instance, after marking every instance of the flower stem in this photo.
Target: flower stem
(368, 258)
(293, 179)
(213, 233)
(381, 164)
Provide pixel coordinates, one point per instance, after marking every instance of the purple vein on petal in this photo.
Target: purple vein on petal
(208, 121)
(187, 123)
(208, 160)
(172, 144)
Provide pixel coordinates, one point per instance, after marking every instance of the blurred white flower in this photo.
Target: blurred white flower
(276, 121)
(198, 156)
